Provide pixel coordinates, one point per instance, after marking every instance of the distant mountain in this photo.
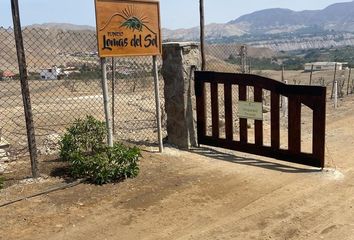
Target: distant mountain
(337, 17)
(62, 26)
(277, 29)
(213, 31)
(273, 17)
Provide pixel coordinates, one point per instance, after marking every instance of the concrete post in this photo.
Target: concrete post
(180, 60)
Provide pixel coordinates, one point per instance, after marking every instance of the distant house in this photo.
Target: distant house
(53, 73)
(324, 66)
(70, 70)
(8, 75)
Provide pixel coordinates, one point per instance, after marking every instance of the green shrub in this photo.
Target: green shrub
(86, 136)
(84, 147)
(114, 163)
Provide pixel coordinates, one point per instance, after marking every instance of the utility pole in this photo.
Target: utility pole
(22, 66)
(202, 33)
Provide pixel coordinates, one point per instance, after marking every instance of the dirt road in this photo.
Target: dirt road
(204, 194)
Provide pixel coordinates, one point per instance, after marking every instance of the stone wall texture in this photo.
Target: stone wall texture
(180, 60)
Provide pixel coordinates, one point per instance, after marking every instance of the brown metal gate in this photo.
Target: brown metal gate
(313, 97)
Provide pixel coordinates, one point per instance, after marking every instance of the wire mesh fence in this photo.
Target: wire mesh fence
(133, 107)
(10, 94)
(65, 84)
(219, 57)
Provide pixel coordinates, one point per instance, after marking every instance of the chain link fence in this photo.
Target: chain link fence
(65, 84)
(219, 56)
(11, 113)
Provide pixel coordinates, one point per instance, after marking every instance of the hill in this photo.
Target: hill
(47, 47)
(281, 29)
(337, 17)
(62, 26)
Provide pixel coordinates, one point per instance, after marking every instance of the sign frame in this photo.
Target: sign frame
(137, 26)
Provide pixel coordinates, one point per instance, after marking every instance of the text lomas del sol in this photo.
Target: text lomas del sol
(137, 41)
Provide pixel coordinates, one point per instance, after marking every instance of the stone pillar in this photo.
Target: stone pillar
(179, 62)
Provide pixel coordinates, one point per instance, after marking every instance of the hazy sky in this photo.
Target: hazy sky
(174, 13)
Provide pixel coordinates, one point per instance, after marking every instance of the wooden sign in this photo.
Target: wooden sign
(250, 110)
(128, 28)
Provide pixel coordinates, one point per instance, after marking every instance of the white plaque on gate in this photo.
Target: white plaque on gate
(250, 110)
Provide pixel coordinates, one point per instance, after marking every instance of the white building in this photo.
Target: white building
(323, 66)
(51, 73)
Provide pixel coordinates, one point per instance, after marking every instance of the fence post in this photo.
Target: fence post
(348, 86)
(282, 80)
(352, 86)
(335, 94)
(106, 102)
(311, 75)
(243, 55)
(285, 101)
(202, 33)
(334, 80)
(249, 67)
(179, 61)
(113, 95)
(25, 88)
(158, 105)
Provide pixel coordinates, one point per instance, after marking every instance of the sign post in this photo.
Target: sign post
(129, 28)
(106, 102)
(113, 94)
(157, 100)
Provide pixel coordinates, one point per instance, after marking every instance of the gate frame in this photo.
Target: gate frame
(313, 97)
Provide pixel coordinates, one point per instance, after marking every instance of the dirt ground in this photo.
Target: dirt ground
(201, 194)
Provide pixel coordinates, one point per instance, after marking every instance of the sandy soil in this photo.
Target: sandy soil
(202, 194)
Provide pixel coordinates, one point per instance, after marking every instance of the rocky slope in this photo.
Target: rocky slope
(329, 41)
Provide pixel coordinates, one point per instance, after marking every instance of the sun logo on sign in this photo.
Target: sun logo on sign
(132, 19)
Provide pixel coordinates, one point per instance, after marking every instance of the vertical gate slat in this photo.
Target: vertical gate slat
(201, 114)
(228, 111)
(258, 134)
(215, 109)
(243, 122)
(319, 130)
(294, 122)
(275, 120)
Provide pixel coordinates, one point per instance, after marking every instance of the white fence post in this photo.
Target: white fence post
(107, 108)
(285, 102)
(157, 101)
(335, 94)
